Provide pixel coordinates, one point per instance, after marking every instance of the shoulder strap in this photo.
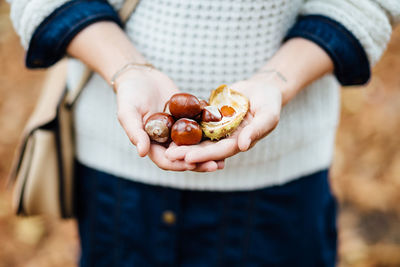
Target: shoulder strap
(124, 13)
(127, 9)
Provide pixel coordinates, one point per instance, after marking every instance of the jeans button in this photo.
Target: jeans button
(168, 217)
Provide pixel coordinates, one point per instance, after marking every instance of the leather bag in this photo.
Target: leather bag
(42, 173)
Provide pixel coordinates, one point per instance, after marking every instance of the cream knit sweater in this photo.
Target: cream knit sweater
(201, 44)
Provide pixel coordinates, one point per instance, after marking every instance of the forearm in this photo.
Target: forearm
(105, 48)
(300, 62)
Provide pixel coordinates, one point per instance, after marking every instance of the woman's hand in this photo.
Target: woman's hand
(265, 98)
(140, 93)
(278, 81)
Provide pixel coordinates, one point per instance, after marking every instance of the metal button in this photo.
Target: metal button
(169, 217)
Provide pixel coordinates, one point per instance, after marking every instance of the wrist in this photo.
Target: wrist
(130, 71)
(277, 79)
(270, 76)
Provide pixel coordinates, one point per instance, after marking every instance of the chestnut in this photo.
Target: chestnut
(211, 113)
(158, 126)
(203, 103)
(227, 111)
(186, 132)
(184, 105)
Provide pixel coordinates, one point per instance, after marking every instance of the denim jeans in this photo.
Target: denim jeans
(125, 223)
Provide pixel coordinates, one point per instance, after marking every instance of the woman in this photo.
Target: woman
(265, 206)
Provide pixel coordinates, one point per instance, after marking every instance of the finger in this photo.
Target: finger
(209, 166)
(260, 126)
(133, 126)
(175, 152)
(221, 164)
(157, 155)
(213, 151)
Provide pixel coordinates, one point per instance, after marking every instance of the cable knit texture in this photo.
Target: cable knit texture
(200, 45)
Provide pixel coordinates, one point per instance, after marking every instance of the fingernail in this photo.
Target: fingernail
(213, 167)
(190, 166)
(246, 145)
(221, 165)
(139, 148)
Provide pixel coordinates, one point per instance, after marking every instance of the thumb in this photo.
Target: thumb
(133, 126)
(260, 126)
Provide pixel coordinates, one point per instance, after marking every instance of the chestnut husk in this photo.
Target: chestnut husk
(225, 96)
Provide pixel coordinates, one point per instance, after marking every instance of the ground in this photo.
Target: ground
(365, 175)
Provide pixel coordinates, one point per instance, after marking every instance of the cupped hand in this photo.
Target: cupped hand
(140, 93)
(263, 116)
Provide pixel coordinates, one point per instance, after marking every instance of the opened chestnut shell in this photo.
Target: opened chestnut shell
(184, 105)
(186, 132)
(158, 126)
(233, 106)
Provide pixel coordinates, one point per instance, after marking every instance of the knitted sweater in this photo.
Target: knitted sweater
(200, 45)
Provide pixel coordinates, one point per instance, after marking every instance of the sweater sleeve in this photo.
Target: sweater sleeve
(27, 15)
(370, 21)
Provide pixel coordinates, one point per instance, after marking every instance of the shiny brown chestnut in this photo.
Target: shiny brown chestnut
(158, 126)
(184, 105)
(211, 113)
(186, 132)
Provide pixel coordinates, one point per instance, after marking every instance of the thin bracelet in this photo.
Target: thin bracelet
(128, 66)
(279, 74)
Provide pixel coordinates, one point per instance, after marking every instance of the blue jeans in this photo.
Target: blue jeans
(125, 223)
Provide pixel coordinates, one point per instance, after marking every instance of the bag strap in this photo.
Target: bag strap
(124, 14)
(127, 9)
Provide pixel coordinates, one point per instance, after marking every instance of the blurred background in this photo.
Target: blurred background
(365, 175)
